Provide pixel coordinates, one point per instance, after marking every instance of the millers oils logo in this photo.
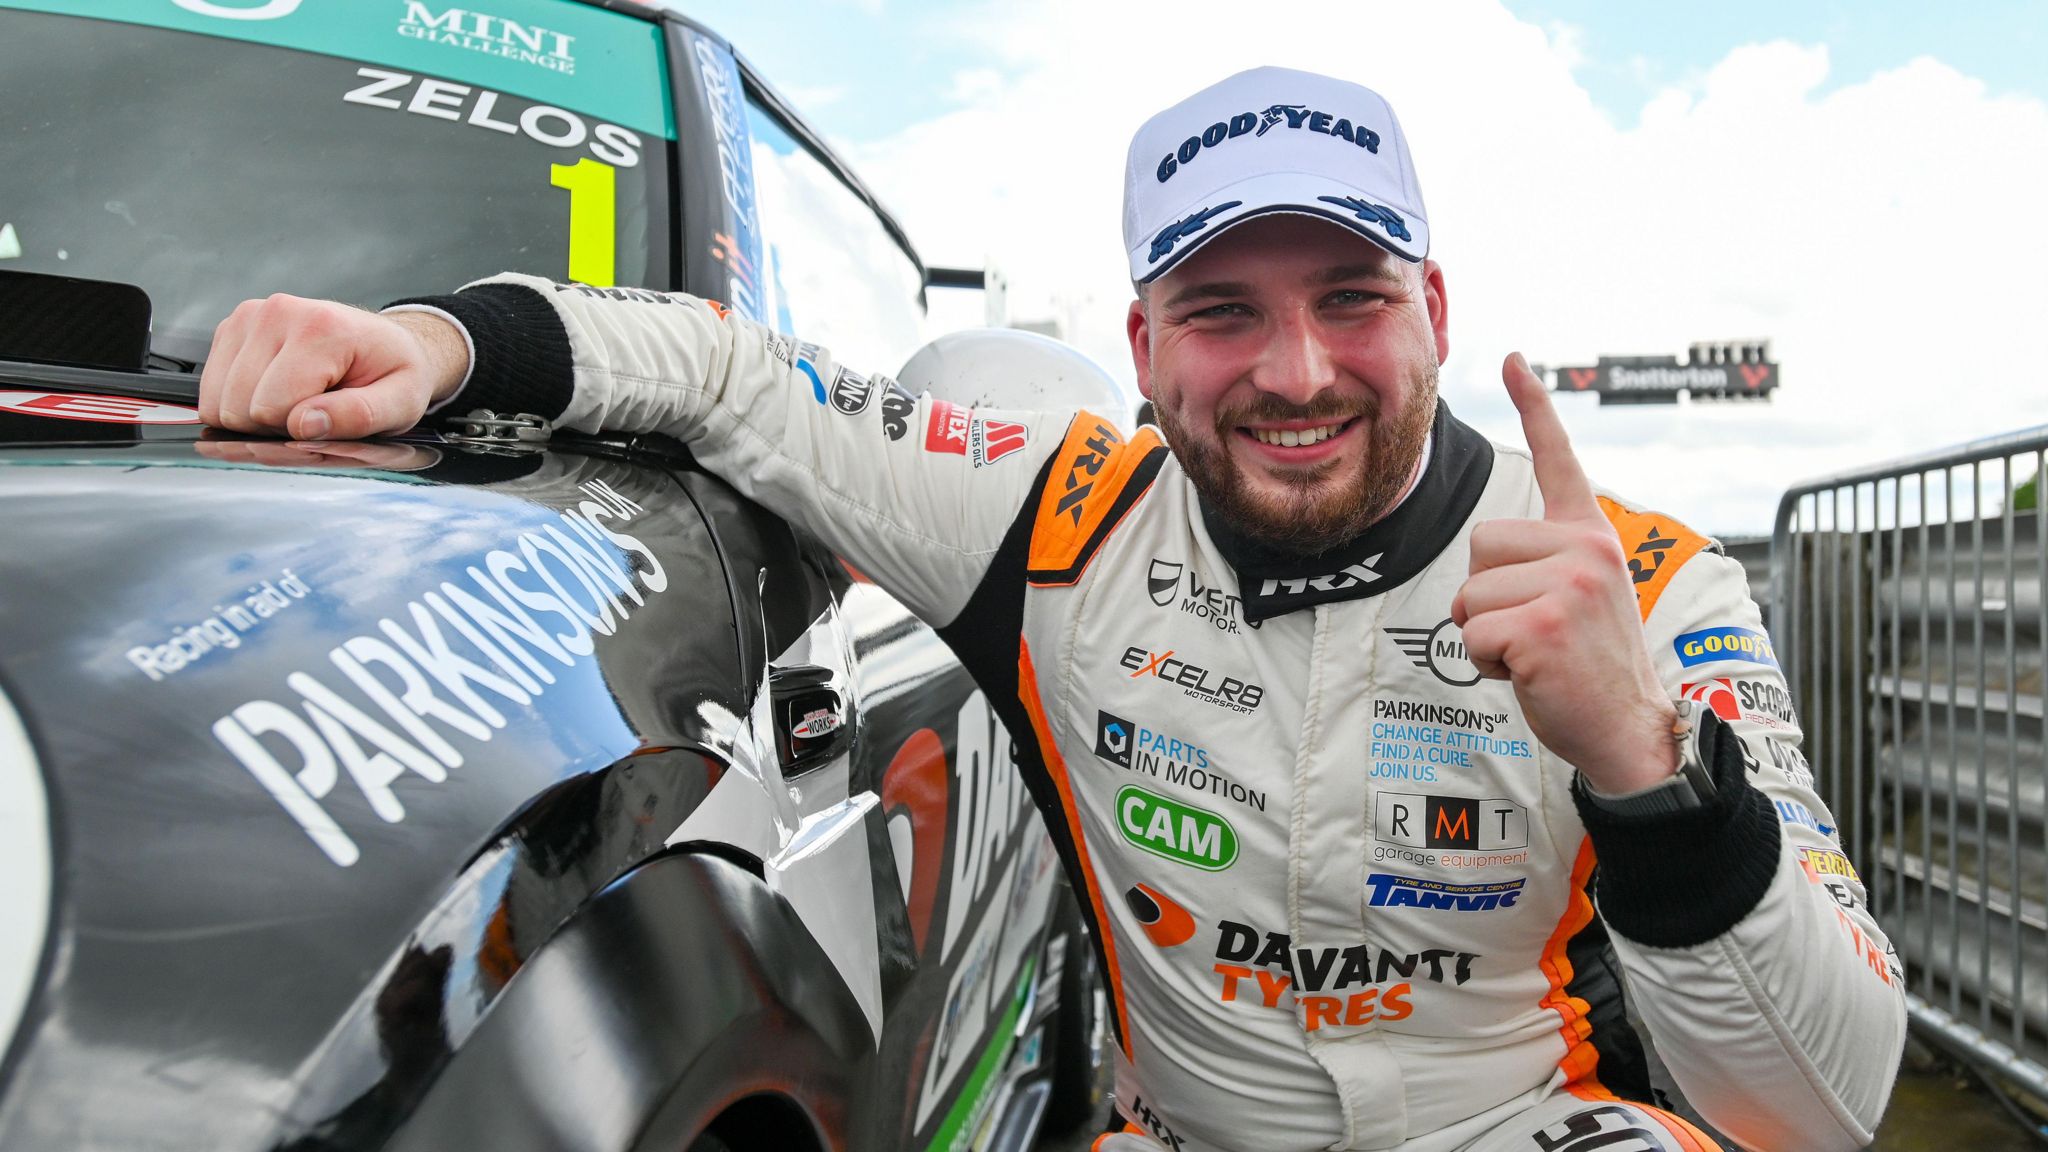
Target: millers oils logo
(1194, 680)
(1180, 832)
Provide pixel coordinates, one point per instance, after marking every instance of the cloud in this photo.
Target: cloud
(1885, 234)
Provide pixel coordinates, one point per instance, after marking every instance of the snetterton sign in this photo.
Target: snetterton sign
(1732, 371)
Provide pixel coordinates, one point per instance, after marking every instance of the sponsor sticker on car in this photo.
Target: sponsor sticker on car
(95, 409)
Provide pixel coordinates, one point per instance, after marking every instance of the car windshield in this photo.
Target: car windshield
(198, 150)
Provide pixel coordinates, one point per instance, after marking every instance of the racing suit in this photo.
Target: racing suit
(1342, 897)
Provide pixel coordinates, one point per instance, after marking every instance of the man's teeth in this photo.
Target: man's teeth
(1292, 439)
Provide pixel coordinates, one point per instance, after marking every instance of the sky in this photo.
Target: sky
(1864, 185)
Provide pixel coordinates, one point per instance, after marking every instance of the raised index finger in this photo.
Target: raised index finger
(1567, 494)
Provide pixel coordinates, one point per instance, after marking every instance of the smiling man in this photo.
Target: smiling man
(1360, 736)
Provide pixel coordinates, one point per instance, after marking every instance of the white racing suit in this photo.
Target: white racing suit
(1342, 897)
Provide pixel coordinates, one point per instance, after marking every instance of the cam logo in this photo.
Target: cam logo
(1439, 650)
(1424, 821)
(1163, 578)
(1094, 454)
(851, 392)
(1711, 644)
(1113, 737)
(1176, 831)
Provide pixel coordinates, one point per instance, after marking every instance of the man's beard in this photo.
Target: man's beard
(1311, 516)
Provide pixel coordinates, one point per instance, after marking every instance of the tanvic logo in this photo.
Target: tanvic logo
(1180, 832)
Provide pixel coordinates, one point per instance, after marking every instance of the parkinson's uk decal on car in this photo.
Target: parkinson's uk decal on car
(510, 631)
(222, 629)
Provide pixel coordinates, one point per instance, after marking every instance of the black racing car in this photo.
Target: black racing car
(479, 789)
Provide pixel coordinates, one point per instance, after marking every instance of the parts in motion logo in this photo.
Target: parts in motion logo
(1141, 749)
(1193, 679)
(1439, 650)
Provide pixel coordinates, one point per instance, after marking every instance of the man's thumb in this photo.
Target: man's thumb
(355, 413)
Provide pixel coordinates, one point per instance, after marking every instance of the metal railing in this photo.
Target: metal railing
(1908, 613)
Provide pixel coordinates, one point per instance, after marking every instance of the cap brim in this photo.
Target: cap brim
(1405, 235)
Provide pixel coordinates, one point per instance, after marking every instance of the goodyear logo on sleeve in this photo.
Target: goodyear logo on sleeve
(1711, 644)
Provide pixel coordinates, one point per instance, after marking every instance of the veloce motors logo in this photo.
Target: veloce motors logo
(1193, 679)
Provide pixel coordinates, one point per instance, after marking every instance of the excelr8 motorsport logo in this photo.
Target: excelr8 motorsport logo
(1194, 680)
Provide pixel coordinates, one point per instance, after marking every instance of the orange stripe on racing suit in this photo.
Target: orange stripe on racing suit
(1580, 1058)
(1056, 768)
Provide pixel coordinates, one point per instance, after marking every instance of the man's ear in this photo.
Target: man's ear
(1140, 330)
(1439, 307)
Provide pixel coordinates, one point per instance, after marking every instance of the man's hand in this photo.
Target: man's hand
(1549, 606)
(325, 371)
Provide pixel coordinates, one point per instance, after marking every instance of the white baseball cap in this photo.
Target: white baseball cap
(1263, 141)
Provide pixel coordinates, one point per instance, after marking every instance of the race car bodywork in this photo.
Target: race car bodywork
(471, 790)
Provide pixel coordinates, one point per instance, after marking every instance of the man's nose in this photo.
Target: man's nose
(1296, 363)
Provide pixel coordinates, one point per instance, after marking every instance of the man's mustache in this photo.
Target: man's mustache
(1324, 408)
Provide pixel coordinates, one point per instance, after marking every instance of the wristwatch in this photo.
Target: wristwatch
(1692, 786)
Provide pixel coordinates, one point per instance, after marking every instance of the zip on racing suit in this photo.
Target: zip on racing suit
(1342, 898)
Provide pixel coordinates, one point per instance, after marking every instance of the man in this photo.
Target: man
(1331, 705)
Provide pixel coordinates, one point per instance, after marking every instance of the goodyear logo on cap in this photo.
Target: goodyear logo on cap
(1711, 644)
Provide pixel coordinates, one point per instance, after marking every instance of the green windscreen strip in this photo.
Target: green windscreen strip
(573, 56)
(953, 1131)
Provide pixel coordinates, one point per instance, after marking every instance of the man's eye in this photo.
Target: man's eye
(1222, 312)
(1351, 298)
